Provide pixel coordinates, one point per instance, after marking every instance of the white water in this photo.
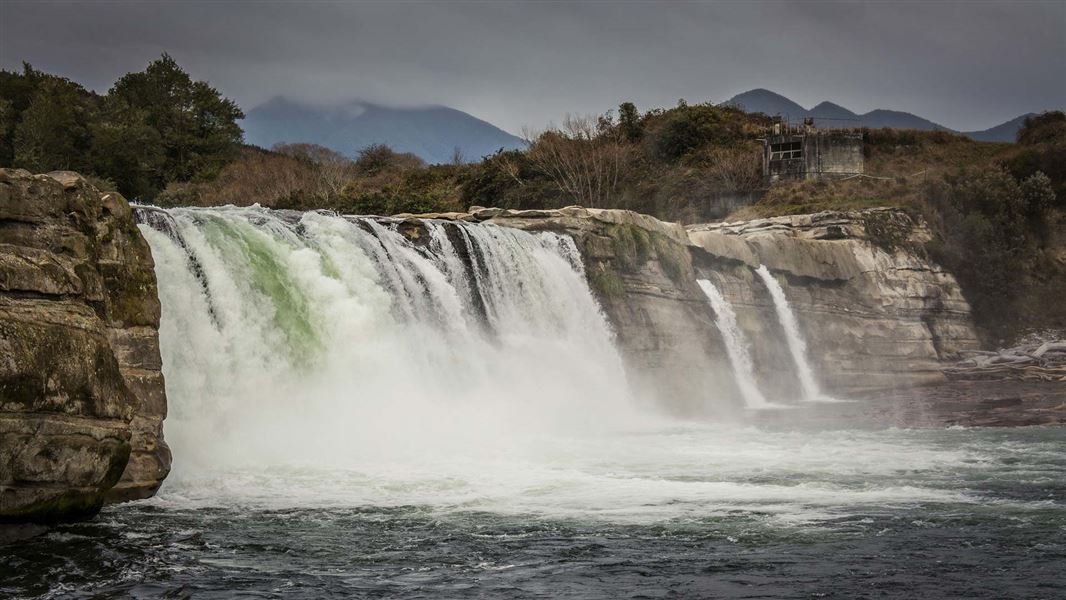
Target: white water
(796, 345)
(656, 474)
(736, 345)
(314, 339)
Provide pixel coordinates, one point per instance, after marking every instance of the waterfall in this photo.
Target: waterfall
(736, 345)
(310, 337)
(796, 346)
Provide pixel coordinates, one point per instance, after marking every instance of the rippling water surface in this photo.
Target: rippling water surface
(674, 511)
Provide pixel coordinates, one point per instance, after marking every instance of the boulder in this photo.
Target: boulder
(81, 392)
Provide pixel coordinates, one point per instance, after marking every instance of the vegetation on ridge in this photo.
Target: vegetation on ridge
(152, 128)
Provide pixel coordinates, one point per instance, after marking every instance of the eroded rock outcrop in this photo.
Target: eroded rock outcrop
(81, 392)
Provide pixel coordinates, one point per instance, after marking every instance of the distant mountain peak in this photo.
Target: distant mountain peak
(830, 110)
(765, 101)
(432, 132)
(772, 103)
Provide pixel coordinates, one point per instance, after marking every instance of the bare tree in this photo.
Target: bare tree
(458, 159)
(332, 170)
(585, 158)
(510, 166)
(735, 170)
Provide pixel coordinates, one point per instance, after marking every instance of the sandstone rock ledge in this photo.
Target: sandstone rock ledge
(81, 393)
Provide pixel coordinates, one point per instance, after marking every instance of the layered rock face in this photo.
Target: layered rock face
(81, 392)
(875, 313)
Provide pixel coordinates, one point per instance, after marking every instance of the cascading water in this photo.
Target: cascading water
(319, 339)
(736, 345)
(796, 345)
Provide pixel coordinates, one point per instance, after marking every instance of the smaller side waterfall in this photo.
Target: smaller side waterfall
(736, 346)
(796, 346)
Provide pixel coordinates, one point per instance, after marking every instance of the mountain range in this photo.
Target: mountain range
(432, 133)
(771, 103)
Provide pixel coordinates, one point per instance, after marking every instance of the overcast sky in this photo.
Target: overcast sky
(966, 65)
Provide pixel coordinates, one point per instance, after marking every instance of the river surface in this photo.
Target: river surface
(670, 511)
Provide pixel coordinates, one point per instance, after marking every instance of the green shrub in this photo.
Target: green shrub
(989, 231)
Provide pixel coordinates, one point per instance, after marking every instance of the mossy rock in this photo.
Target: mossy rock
(674, 259)
(631, 245)
(889, 231)
(605, 281)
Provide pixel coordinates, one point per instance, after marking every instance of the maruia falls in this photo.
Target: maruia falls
(314, 336)
(565, 403)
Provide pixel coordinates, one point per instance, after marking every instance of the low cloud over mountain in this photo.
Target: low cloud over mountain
(433, 132)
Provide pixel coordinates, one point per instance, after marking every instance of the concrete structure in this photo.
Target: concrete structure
(810, 153)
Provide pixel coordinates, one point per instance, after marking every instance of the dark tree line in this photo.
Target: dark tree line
(152, 128)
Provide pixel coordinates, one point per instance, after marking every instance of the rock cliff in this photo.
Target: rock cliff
(81, 392)
(875, 311)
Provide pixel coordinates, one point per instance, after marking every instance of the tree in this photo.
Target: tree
(1038, 196)
(629, 121)
(331, 169)
(53, 131)
(127, 150)
(734, 169)
(197, 126)
(378, 158)
(458, 159)
(1042, 148)
(676, 133)
(585, 158)
(16, 91)
(990, 229)
(1048, 127)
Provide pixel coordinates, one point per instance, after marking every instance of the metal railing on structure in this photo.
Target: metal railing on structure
(787, 126)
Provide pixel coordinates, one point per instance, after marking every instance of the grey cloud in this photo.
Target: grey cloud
(966, 65)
